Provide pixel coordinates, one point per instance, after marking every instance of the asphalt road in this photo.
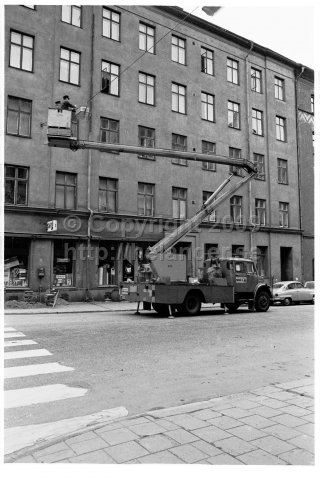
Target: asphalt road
(145, 362)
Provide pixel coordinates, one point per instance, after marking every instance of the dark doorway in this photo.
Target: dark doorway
(286, 263)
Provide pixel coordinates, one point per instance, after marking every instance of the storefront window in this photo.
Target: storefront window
(107, 267)
(16, 262)
(64, 263)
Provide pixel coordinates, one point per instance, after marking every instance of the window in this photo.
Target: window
(213, 216)
(259, 162)
(147, 139)
(262, 261)
(257, 124)
(278, 88)
(207, 107)
(179, 142)
(109, 130)
(108, 195)
(256, 80)
(71, 14)
(111, 24)
(238, 251)
(281, 129)
(64, 263)
(233, 71)
(110, 78)
(207, 61)
(21, 51)
(235, 153)
(66, 190)
(236, 208)
(312, 103)
(146, 88)
(16, 185)
(210, 148)
(179, 202)
(233, 115)
(145, 199)
(284, 214)
(69, 66)
(282, 171)
(260, 211)
(16, 260)
(178, 50)
(19, 117)
(178, 95)
(147, 38)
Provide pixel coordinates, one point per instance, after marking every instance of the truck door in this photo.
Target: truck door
(240, 276)
(252, 278)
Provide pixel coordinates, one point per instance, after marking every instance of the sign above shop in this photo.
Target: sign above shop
(52, 226)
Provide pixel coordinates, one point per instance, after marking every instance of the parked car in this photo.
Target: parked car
(291, 292)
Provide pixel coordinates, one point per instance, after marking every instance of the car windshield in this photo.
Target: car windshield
(309, 284)
(278, 285)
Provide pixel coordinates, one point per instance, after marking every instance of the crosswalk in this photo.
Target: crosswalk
(20, 351)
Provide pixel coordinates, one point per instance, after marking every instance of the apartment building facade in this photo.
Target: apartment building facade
(156, 77)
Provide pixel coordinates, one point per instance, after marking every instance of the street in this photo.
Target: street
(146, 362)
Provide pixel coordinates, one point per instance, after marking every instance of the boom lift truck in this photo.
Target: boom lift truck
(162, 282)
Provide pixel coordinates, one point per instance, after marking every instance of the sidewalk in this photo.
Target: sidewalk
(273, 425)
(84, 307)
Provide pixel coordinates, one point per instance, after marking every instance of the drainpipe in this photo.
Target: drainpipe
(88, 253)
(248, 137)
(299, 166)
(267, 165)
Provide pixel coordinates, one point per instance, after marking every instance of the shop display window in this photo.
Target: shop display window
(16, 259)
(64, 258)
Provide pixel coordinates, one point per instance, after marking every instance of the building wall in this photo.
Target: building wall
(44, 88)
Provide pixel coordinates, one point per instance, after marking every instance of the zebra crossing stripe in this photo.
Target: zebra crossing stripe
(41, 352)
(38, 369)
(13, 335)
(34, 395)
(18, 343)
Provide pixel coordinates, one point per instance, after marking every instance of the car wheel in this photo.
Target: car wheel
(192, 304)
(286, 302)
(262, 301)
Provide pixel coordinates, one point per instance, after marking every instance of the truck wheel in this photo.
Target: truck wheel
(262, 301)
(160, 308)
(232, 307)
(286, 302)
(192, 304)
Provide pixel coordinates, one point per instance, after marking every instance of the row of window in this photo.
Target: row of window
(16, 192)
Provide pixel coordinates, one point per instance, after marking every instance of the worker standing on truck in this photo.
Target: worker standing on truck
(66, 105)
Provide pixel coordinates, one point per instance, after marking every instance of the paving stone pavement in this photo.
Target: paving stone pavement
(268, 426)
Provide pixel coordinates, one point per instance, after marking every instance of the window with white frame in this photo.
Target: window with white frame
(146, 199)
(69, 66)
(146, 139)
(233, 71)
(279, 88)
(66, 190)
(282, 171)
(71, 14)
(110, 73)
(207, 107)
(179, 142)
(179, 203)
(209, 148)
(260, 211)
(146, 88)
(256, 80)
(233, 115)
(178, 50)
(19, 113)
(147, 36)
(178, 96)
(213, 215)
(207, 61)
(257, 122)
(110, 24)
(16, 185)
(259, 162)
(284, 214)
(109, 130)
(108, 195)
(236, 208)
(21, 51)
(280, 128)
